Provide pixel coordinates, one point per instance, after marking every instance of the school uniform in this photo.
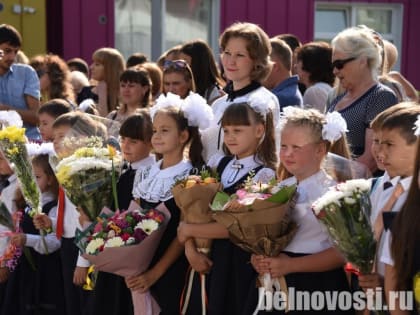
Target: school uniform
(385, 256)
(35, 287)
(232, 276)
(153, 185)
(379, 203)
(6, 196)
(78, 301)
(111, 295)
(311, 238)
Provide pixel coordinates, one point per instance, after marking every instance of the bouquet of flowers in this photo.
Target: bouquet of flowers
(124, 244)
(258, 220)
(13, 146)
(193, 196)
(9, 258)
(89, 176)
(344, 210)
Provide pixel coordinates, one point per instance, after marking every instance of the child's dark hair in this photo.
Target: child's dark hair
(242, 114)
(55, 107)
(138, 126)
(42, 161)
(376, 123)
(403, 120)
(82, 124)
(194, 138)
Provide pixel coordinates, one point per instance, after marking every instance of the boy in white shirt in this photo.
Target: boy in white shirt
(396, 153)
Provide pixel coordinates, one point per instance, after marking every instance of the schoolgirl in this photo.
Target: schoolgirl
(176, 126)
(310, 262)
(111, 294)
(35, 287)
(250, 151)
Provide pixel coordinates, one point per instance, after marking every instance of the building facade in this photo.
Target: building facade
(76, 28)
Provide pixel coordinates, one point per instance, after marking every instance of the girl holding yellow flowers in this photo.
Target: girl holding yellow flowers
(36, 283)
(401, 253)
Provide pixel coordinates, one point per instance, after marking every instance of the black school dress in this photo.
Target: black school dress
(152, 186)
(39, 291)
(111, 295)
(231, 275)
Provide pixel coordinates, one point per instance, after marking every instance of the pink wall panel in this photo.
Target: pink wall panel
(87, 26)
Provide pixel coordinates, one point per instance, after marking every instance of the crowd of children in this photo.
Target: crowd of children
(242, 135)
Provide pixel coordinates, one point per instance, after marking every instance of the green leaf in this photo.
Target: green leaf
(283, 195)
(219, 201)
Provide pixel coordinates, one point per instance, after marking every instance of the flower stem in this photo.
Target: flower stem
(114, 187)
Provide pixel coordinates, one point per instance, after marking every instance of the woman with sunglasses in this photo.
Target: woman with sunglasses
(245, 58)
(178, 78)
(356, 58)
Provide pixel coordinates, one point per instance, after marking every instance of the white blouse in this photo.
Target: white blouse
(236, 169)
(154, 184)
(35, 241)
(311, 237)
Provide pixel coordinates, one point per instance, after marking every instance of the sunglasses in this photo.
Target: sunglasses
(340, 63)
(177, 64)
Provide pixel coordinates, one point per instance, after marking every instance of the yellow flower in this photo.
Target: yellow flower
(13, 151)
(84, 152)
(111, 151)
(416, 287)
(63, 174)
(13, 134)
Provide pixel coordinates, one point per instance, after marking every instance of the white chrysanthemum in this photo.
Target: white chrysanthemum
(334, 128)
(163, 101)
(354, 185)
(417, 126)
(148, 226)
(93, 245)
(332, 196)
(114, 242)
(197, 111)
(82, 164)
(10, 118)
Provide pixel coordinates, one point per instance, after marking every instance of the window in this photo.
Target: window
(133, 20)
(153, 26)
(331, 18)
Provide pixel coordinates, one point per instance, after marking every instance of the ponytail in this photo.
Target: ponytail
(196, 147)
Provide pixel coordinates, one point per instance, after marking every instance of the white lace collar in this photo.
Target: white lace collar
(154, 184)
(237, 168)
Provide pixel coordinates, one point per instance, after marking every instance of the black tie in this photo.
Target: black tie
(387, 185)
